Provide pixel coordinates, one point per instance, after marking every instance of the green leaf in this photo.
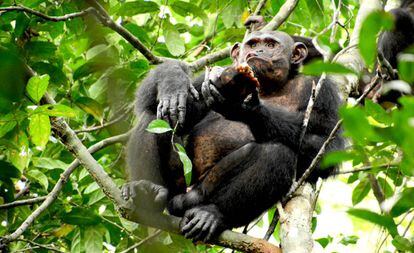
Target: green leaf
(90, 106)
(386, 187)
(38, 176)
(41, 49)
(39, 129)
(406, 67)
(81, 216)
(76, 246)
(48, 163)
(372, 25)
(404, 203)
(158, 126)
(57, 76)
(173, 40)
(324, 241)
(403, 244)
(360, 191)
(352, 239)
(185, 160)
(137, 7)
(93, 240)
(381, 220)
(20, 157)
(37, 86)
(185, 9)
(316, 68)
(56, 110)
(7, 123)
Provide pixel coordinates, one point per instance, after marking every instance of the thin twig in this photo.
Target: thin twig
(376, 189)
(106, 20)
(102, 15)
(21, 8)
(22, 202)
(40, 245)
(284, 12)
(136, 245)
(408, 226)
(331, 136)
(272, 225)
(110, 123)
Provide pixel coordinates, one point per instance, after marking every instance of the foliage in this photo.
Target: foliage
(92, 73)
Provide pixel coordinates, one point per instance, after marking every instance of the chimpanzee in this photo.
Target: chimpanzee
(393, 42)
(242, 135)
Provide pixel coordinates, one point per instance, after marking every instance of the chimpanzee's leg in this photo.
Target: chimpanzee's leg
(262, 175)
(155, 172)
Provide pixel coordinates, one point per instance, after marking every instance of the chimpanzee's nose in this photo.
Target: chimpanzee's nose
(260, 51)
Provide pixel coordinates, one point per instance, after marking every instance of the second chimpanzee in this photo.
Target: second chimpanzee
(242, 135)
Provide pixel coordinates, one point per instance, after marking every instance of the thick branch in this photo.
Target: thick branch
(22, 202)
(209, 59)
(296, 226)
(51, 197)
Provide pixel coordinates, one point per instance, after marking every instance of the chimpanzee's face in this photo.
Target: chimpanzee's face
(271, 55)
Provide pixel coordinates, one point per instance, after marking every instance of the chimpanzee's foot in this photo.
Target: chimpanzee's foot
(145, 194)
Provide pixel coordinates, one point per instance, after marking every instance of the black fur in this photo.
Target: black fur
(393, 42)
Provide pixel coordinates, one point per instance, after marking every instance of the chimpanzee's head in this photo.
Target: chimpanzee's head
(272, 55)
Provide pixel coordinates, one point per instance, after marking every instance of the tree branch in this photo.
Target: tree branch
(22, 202)
(47, 247)
(21, 8)
(51, 197)
(148, 238)
(107, 21)
(114, 121)
(100, 13)
(296, 225)
(331, 136)
(284, 12)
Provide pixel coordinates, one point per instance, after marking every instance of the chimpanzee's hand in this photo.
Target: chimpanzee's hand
(173, 89)
(233, 86)
(202, 223)
(145, 195)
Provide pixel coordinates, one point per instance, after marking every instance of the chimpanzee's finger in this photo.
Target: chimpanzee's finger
(125, 191)
(212, 230)
(159, 109)
(194, 92)
(216, 94)
(173, 110)
(182, 103)
(165, 107)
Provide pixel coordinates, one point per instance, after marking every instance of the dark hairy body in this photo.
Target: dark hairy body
(242, 135)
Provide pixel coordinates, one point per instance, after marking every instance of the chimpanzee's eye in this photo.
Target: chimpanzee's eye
(253, 44)
(271, 44)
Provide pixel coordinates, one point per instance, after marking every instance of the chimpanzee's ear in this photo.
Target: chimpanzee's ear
(235, 51)
(299, 53)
